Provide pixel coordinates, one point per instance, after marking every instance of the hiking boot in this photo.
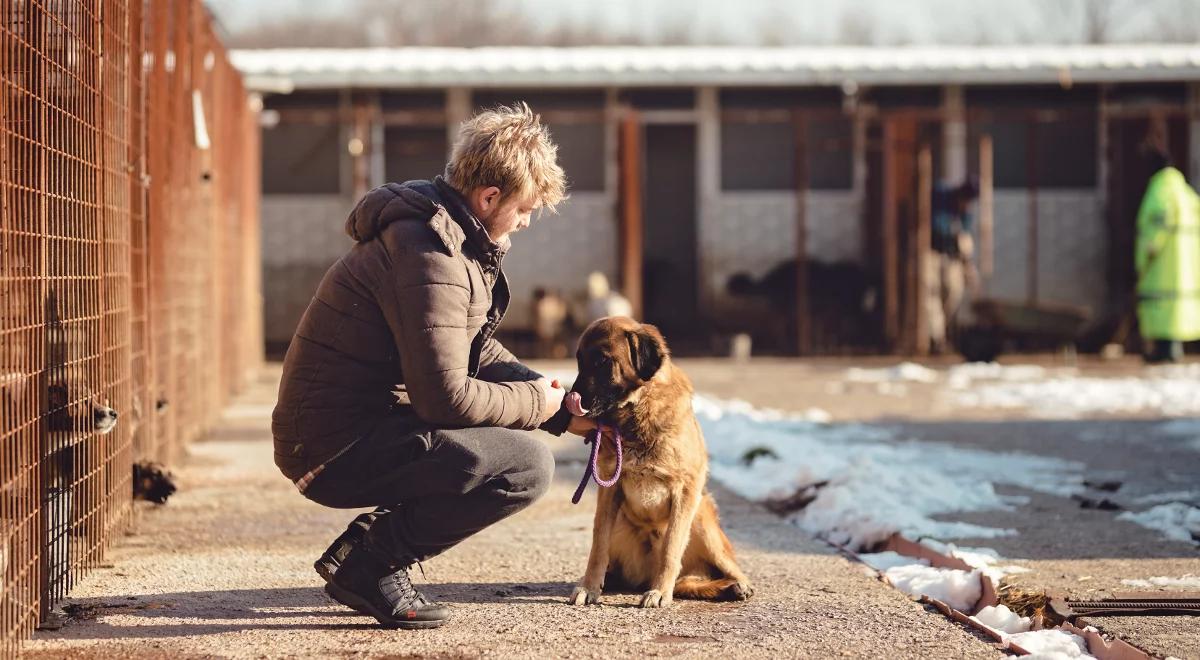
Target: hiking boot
(336, 553)
(369, 585)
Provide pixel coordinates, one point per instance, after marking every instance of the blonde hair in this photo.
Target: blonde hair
(510, 148)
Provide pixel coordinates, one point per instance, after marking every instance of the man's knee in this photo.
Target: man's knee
(531, 466)
(516, 456)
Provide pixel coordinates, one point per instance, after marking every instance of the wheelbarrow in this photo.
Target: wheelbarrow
(1001, 324)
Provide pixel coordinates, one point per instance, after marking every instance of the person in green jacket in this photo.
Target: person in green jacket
(1167, 258)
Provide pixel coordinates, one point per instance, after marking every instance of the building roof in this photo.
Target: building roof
(725, 66)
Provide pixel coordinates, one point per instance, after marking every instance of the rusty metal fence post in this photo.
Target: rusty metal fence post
(129, 283)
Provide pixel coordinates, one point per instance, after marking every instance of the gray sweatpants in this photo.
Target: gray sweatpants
(435, 487)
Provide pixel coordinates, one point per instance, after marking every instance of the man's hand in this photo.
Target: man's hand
(581, 426)
(552, 395)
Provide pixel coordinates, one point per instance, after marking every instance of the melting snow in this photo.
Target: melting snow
(1177, 521)
(877, 484)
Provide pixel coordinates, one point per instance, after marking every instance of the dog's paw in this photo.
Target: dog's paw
(581, 595)
(655, 598)
(740, 591)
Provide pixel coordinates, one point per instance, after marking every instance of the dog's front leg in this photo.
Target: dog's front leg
(608, 504)
(684, 504)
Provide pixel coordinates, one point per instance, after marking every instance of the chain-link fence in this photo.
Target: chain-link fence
(129, 286)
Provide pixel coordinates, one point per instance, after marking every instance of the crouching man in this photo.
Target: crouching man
(395, 393)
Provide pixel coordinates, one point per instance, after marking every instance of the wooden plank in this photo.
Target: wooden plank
(986, 207)
(922, 250)
(1031, 273)
(630, 194)
(802, 311)
(891, 257)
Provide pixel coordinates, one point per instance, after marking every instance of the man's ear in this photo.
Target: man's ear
(646, 351)
(484, 200)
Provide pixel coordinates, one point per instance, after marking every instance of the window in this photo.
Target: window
(576, 121)
(762, 155)
(758, 156)
(1064, 152)
(581, 154)
(301, 159)
(830, 154)
(411, 152)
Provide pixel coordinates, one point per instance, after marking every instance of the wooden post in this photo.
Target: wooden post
(891, 257)
(985, 206)
(359, 146)
(922, 250)
(1031, 272)
(630, 194)
(803, 313)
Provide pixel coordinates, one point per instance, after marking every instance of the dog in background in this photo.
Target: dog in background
(657, 529)
(602, 301)
(551, 318)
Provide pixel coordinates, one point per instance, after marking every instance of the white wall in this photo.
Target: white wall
(1072, 247)
(558, 252)
(302, 235)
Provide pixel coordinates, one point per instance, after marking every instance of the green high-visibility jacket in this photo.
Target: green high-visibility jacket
(1167, 257)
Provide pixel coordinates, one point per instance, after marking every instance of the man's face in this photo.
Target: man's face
(501, 217)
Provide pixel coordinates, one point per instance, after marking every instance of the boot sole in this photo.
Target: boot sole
(349, 599)
(325, 569)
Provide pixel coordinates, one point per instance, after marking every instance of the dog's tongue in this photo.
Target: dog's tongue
(575, 405)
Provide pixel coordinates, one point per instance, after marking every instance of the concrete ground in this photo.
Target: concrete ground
(224, 569)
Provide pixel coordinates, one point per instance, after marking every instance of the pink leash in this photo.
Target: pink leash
(595, 438)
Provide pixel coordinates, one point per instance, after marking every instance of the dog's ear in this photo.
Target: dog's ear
(646, 351)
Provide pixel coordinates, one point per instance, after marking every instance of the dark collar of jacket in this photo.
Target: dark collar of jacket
(476, 234)
(436, 202)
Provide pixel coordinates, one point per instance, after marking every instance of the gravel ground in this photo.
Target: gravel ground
(224, 570)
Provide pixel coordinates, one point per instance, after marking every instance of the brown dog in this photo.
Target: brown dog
(657, 529)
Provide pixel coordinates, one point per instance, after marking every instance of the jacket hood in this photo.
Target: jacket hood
(435, 202)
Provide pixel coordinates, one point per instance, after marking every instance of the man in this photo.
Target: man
(1167, 259)
(949, 265)
(396, 395)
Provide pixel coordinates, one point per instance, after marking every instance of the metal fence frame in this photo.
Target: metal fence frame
(129, 161)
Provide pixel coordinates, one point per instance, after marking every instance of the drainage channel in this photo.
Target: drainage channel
(1044, 611)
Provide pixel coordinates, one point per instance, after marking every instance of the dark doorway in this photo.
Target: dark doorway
(669, 232)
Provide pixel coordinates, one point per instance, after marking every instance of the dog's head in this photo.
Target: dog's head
(616, 356)
(68, 414)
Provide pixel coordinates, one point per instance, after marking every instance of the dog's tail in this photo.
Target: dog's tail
(704, 588)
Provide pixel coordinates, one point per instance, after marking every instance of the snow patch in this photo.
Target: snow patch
(1177, 521)
(1188, 581)
(1169, 496)
(984, 559)
(1162, 390)
(1002, 619)
(876, 484)
(958, 589)
(882, 561)
(1051, 644)
(1186, 429)
(961, 376)
(905, 372)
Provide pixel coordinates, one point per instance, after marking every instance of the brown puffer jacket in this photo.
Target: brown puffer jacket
(403, 324)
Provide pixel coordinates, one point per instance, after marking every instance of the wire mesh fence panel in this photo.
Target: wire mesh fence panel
(140, 421)
(22, 337)
(129, 241)
(119, 66)
(160, 104)
(71, 143)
